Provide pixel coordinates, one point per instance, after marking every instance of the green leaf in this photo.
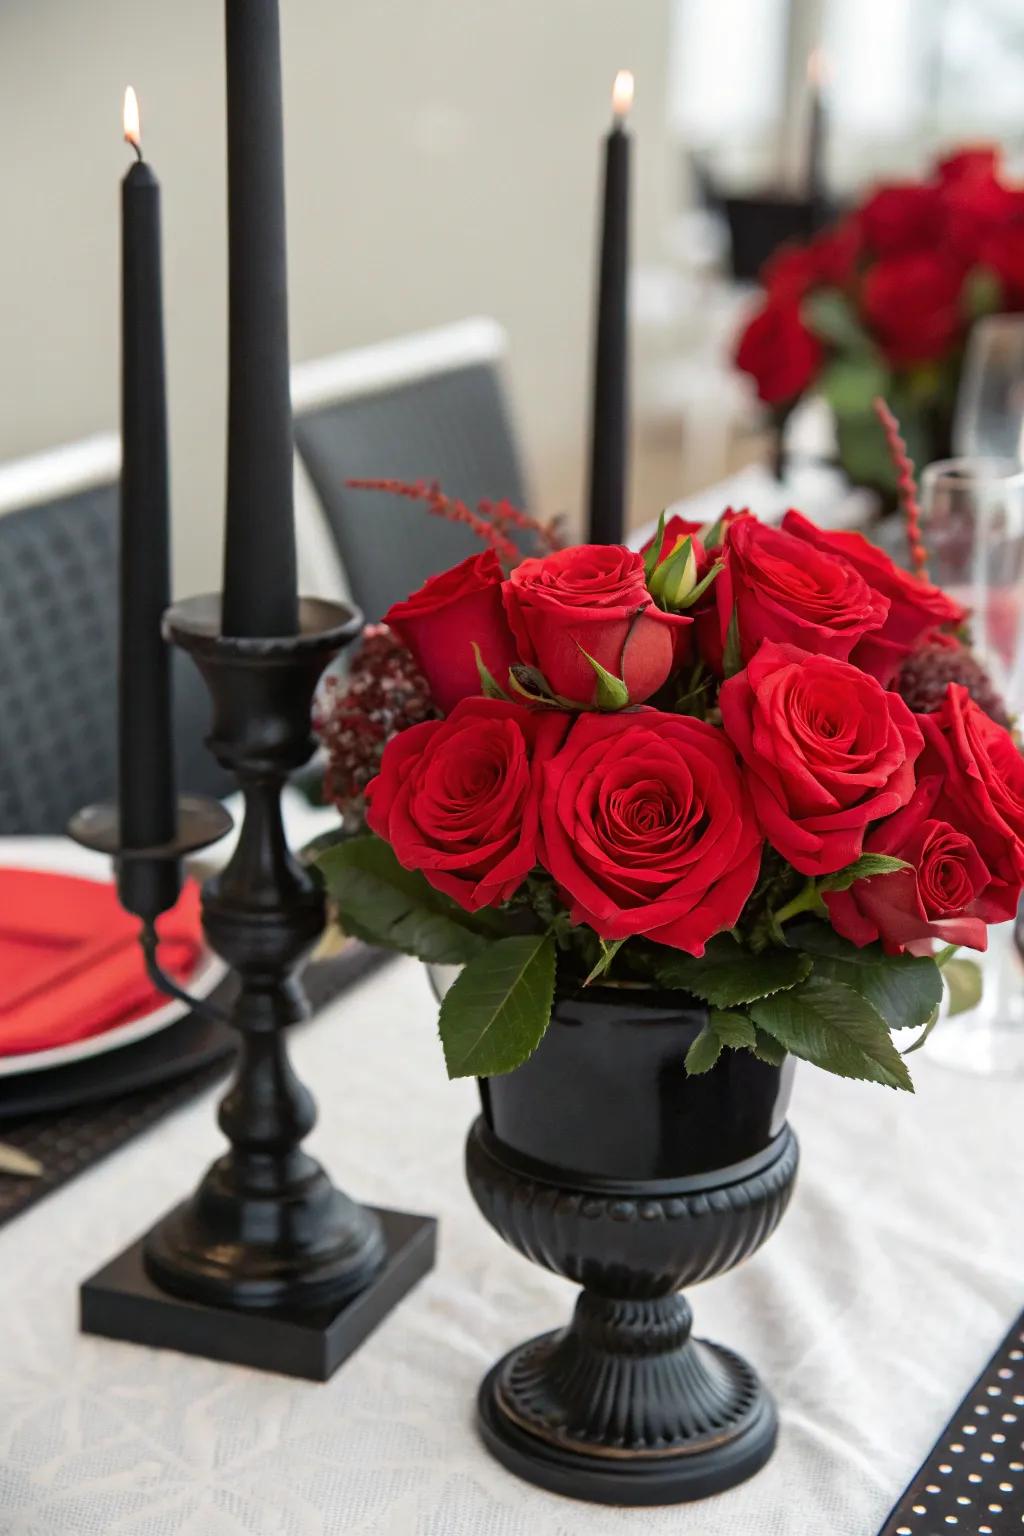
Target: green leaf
(768, 1050)
(488, 686)
(653, 551)
(530, 684)
(864, 868)
(704, 1052)
(982, 293)
(732, 657)
(609, 949)
(713, 534)
(833, 1027)
(851, 384)
(929, 1025)
(904, 989)
(733, 1029)
(728, 975)
(495, 1013)
(702, 585)
(612, 692)
(832, 318)
(963, 983)
(381, 903)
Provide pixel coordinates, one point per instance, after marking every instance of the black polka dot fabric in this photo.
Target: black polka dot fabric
(973, 1482)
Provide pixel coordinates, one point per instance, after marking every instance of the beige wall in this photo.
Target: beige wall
(442, 161)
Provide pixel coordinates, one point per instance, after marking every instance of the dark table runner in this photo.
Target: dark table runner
(66, 1141)
(972, 1483)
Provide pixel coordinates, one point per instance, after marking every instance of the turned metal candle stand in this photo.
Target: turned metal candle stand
(266, 1263)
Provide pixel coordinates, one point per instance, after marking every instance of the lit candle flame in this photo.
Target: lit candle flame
(622, 94)
(131, 120)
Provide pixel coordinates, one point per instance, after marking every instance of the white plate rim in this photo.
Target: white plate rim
(60, 856)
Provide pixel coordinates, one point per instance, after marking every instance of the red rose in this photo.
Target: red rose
(826, 261)
(901, 217)
(915, 606)
(784, 589)
(791, 272)
(591, 599)
(779, 352)
(981, 773)
(457, 798)
(440, 622)
(961, 832)
(647, 829)
(980, 160)
(836, 252)
(912, 303)
(826, 750)
(1003, 251)
(940, 897)
(978, 212)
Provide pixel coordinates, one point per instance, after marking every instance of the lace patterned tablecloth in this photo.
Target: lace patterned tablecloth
(896, 1272)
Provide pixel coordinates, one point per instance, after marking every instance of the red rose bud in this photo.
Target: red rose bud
(826, 752)
(915, 606)
(647, 829)
(441, 622)
(781, 588)
(941, 897)
(591, 602)
(458, 798)
(912, 304)
(674, 578)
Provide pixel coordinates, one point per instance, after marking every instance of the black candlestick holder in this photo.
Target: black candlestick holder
(267, 1263)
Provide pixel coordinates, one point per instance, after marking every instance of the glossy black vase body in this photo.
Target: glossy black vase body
(601, 1160)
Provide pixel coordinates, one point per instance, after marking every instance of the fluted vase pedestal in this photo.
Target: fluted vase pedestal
(601, 1160)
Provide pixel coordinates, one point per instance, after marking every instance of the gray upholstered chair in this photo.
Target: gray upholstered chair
(423, 407)
(58, 644)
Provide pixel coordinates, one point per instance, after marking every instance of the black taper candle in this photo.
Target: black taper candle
(609, 436)
(146, 790)
(260, 585)
(817, 195)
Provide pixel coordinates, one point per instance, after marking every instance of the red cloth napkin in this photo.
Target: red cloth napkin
(70, 964)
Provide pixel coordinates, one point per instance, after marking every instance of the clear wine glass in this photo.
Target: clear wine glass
(973, 525)
(989, 418)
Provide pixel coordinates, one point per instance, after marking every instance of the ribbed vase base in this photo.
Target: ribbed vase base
(527, 1429)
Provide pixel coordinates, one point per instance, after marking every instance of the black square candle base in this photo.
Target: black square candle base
(121, 1302)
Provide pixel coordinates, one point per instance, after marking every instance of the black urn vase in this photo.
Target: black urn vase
(600, 1159)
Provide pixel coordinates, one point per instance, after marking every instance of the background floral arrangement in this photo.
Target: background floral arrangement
(751, 764)
(882, 303)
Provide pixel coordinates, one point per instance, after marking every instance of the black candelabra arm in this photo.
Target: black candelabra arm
(149, 940)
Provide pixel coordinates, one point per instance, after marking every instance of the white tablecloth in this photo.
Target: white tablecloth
(896, 1271)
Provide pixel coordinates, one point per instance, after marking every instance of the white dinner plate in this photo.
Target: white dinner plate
(63, 857)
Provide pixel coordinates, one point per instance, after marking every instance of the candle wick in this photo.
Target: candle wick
(137, 146)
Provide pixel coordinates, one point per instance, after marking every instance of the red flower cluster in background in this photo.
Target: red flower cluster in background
(645, 731)
(882, 304)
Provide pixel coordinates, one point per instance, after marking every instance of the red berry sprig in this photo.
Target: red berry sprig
(904, 467)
